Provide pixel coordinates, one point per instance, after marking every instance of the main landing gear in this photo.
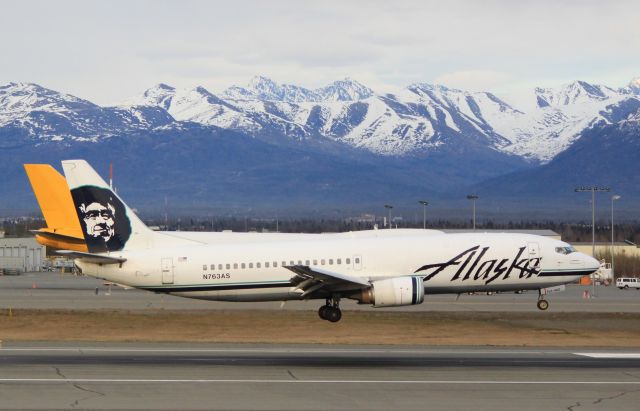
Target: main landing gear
(542, 303)
(331, 310)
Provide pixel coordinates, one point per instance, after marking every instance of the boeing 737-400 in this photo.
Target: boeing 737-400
(384, 268)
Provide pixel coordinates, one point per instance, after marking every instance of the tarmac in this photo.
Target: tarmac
(149, 376)
(169, 376)
(53, 290)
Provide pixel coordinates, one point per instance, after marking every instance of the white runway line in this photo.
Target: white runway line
(248, 381)
(610, 355)
(268, 350)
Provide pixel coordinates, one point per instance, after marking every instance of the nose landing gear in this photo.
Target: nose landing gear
(331, 310)
(542, 303)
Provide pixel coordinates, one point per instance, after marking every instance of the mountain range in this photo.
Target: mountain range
(342, 145)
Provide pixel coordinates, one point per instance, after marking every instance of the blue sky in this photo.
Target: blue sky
(108, 51)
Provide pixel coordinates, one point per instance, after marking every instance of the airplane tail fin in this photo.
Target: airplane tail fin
(107, 223)
(52, 192)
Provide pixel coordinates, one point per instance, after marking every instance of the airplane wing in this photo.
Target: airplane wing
(309, 280)
(92, 258)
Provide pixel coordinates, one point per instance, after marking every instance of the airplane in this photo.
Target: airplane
(383, 270)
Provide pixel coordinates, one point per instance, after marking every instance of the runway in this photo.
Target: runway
(266, 377)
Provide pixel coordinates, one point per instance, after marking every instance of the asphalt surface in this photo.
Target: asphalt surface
(52, 290)
(242, 377)
(48, 376)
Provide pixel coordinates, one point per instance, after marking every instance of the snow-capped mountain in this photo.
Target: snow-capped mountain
(604, 155)
(20, 98)
(344, 90)
(415, 120)
(578, 92)
(262, 88)
(159, 95)
(44, 114)
(561, 115)
(339, 144)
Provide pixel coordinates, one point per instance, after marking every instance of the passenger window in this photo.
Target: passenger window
(322, 261)
(292, 263)
(357, 260)
(235, 265)
(266, 264)
(228, 266)
(204, 267)
(299, 262)
(331, 261)
(307, 262)
(339, 261)
(275, 264)
(219, 266)
(348, 261)
(284, 263)
(315, 262)
(213, 266)
(257, 265)
(242, 266)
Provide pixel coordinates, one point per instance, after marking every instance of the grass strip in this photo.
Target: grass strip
(542, 329)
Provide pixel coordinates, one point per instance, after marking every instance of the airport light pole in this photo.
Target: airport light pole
(389, 207)
(424, 213)
(613, 272)
(473, 198)
(593, 190)
(593, 212)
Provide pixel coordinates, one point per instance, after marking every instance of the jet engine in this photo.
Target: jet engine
(394, 292)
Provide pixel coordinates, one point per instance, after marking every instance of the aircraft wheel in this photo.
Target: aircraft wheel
(322, 312)
(334, 314)
(543, 304)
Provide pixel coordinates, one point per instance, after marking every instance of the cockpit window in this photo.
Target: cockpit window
(565, 250)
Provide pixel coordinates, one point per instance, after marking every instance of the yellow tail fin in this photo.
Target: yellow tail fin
(53, 195)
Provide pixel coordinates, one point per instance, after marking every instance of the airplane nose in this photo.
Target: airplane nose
(590, 263)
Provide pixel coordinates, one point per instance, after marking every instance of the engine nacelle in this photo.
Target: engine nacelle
(394, 292)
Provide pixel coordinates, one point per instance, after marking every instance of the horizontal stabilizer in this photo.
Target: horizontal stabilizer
(92, 258)
(60, 239)
(57, 236)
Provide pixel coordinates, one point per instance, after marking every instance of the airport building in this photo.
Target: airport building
(619, 247)
(19, 255)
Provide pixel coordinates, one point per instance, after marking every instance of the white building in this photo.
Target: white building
(21, 254)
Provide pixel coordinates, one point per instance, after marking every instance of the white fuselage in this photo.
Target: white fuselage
(253, 268)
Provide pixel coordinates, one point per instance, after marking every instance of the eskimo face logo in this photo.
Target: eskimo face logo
(103, 217)
(99, 220)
